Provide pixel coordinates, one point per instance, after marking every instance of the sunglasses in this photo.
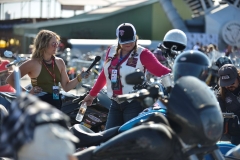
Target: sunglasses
(55, 44)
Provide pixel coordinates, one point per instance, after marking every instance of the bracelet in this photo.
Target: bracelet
(79, 79)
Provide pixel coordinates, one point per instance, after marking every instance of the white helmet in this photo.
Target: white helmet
(175, 37)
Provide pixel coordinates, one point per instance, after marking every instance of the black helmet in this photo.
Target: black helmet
(223, 60)
(191, 63)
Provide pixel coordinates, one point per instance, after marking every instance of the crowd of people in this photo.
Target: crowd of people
(212, 51)
(48, 73)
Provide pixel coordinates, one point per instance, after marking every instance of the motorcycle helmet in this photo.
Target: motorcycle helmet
(223, 60)
(194, 112)
(191, 63)
(175, 38)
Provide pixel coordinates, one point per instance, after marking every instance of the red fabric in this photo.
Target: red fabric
(7, 87)
(3, 65)
(148, 60)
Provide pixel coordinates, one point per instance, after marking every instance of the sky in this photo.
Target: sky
(50, 9)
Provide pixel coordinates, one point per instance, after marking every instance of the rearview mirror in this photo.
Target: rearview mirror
(8, 54)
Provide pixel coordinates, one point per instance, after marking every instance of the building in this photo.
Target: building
(202, 20)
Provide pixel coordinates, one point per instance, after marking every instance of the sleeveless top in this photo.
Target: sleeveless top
(45, 79)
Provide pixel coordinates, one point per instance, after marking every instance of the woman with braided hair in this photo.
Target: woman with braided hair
(121, 60)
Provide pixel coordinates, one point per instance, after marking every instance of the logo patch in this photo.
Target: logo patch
(228, 100)
(121, 32)
(225, 77)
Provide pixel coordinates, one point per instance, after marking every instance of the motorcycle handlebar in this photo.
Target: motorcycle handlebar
(17, 60)
(228, 115)
(87, 86)
(141, 94)
(10, 64)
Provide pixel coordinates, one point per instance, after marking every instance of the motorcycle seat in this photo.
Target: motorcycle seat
(89, 138)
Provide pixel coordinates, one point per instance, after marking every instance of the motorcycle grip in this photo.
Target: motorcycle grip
(139, 95)
(10, 64)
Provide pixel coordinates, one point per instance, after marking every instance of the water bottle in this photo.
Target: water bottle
(81, 112)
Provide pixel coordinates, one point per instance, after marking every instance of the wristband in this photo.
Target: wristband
(78, 78)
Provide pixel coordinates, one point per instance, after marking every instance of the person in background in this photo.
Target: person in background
(196, 46)
(228, 51)
(213, 53)
(30, 49)
(215, 47)
(46, 70)
(229, 92)
(121, 60)
(159, 55)
(4, 72)
(40, 132)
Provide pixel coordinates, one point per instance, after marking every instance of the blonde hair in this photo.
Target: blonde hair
(41, 42)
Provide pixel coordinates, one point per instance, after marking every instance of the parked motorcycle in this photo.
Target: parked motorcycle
(95, 116)
(6, 97)
(96, 139)
(191, 130)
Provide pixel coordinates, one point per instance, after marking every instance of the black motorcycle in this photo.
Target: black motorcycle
(95, 116)
(190, 130)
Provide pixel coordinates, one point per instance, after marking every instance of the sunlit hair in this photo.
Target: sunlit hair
(41, 42)
(223, 90)
(119, 47)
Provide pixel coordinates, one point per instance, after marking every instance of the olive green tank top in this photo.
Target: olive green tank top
(45, 79)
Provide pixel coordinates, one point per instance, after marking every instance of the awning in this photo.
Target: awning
(72, 2)
(12, 1)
